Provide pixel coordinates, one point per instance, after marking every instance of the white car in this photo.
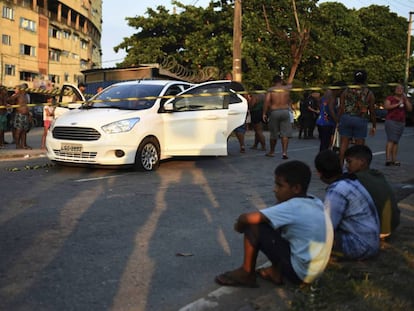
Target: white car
(142, 122)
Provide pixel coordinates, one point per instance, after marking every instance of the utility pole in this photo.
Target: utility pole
(407, 61)
(237, 38)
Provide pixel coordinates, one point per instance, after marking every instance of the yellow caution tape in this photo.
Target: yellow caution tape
(301, 89)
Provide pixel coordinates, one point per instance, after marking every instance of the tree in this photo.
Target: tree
(314, 44)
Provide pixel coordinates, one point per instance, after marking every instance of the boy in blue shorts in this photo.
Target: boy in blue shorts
(296, 234)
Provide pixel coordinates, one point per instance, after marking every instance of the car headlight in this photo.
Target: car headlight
(120, 126)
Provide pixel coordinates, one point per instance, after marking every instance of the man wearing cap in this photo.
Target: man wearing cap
(357, 104)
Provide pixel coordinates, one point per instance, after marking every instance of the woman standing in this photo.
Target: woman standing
(48, 116)
(396, 106)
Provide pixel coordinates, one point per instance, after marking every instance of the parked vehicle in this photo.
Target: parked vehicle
(380, 112)
(139, 123)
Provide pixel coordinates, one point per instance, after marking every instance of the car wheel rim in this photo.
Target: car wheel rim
(149, 156)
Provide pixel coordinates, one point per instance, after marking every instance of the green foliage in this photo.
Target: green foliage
(341, 40)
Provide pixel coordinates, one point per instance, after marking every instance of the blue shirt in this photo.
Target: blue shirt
(354, 218)
(324, 118)
(306, 225)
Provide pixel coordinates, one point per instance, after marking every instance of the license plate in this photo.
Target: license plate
(72, 148)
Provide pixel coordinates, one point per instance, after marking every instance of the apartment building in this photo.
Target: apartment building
(49, 42)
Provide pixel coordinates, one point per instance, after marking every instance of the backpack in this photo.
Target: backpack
(356, 101)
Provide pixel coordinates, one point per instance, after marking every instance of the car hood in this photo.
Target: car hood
(101, 116)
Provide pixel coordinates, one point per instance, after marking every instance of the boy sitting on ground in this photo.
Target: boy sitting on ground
(352, 210)
(296, 234)
(358, 160)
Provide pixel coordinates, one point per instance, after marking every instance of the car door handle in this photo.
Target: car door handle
(211, 117)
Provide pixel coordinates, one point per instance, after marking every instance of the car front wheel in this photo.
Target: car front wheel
(148, 155)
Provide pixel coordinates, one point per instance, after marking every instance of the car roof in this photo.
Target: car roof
(151, 82)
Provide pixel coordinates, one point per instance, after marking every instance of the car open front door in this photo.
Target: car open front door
(198, 124)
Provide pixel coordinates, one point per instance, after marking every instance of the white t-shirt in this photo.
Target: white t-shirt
(51, 109)
(305, 223)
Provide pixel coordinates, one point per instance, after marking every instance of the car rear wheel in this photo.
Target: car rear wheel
(148, 155)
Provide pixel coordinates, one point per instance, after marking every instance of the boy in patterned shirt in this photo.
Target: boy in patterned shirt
(352, 210)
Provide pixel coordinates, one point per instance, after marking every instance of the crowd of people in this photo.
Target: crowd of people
(16, 115)
(341, 113)
(17, 107)
(301, 233)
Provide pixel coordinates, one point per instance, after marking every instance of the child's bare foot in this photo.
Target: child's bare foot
(270, 274)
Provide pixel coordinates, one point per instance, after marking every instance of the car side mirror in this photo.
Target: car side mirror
(169, 105)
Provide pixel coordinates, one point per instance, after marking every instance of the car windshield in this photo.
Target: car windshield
(127, 96)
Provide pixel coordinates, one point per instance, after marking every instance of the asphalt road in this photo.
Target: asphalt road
(95, 239)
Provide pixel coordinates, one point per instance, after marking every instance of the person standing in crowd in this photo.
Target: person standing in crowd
(353, 212)
(328, 116)
(82, 88)
(295, 234)
(3, 114)
(21, 122)
(356, 106)
(358, 160)
(48, 116)
(277, 102)
(256, 102)
(396, 106)
(325, 121)
(308, 114)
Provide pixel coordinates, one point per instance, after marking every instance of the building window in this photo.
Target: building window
(75, 56)
(6, 39)
(54, 55)
(28, 76)
(27, 24)
(9, 70)
(54, 78)
(27, 50)
(75, 37)
(66, 77)
(84, 44)
(55, 33)
(26, 3)
(84, 64)
(8, 13)
(77, 79)
(65, 54)
(66, 34)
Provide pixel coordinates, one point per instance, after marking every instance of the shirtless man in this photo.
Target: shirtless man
(21, 121)
(277, 104)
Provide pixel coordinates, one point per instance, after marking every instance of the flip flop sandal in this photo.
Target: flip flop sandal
(230, 279)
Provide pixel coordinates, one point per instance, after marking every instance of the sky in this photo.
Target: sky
(115, 27)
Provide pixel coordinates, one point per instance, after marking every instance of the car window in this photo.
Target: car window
(171, 91)
(206, 97)
(128, 96)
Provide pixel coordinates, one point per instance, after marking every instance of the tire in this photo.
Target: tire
(148, 155)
